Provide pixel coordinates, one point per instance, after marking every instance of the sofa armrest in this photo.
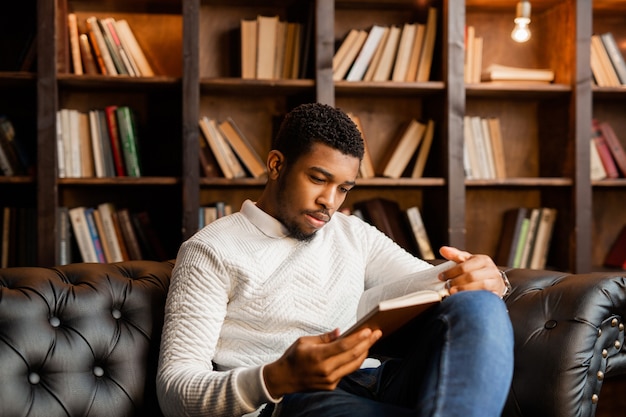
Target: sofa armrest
(81, 339)
(569, 337)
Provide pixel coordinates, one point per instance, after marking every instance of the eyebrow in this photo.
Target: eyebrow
(331, 176)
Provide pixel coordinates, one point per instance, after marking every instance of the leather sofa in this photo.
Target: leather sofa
(83, 339)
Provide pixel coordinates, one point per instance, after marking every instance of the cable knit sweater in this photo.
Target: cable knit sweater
(243, 291)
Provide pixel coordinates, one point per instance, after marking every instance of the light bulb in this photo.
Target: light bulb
(521, 31)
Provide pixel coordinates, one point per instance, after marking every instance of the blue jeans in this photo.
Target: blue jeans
(454, 360)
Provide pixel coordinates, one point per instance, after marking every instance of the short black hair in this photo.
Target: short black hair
(317, 123)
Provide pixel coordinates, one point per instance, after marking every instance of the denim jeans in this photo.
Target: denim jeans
(454, 360)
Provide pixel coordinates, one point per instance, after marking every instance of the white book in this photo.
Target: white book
(391, 305)
(131, 44)
(60, 147)
(366, 54)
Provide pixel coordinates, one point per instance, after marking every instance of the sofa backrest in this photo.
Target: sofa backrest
(81, 339)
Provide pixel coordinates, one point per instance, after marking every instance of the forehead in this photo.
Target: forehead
(331, 160)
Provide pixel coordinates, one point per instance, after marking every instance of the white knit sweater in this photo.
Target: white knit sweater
(242, 292)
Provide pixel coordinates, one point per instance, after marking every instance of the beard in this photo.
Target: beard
(294, 229)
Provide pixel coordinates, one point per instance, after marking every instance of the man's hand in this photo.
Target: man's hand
(473, 272)
(318, 362)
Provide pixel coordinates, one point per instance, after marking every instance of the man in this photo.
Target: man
(258, 299)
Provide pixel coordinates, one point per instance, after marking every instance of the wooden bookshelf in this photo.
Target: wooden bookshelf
(193, 46)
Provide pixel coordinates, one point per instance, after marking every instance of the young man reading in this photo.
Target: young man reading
(257, 300)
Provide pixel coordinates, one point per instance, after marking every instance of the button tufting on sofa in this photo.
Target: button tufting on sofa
(83, 340)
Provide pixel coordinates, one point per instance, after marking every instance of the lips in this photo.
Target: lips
(317, 219)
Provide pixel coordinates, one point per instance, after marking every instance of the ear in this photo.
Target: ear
(275, 163)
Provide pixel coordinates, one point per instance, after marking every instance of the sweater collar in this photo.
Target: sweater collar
(267, 224)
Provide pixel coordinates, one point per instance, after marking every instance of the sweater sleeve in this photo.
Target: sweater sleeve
(187, 382)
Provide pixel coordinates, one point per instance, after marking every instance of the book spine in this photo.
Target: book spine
(116, 148)
(128, 139)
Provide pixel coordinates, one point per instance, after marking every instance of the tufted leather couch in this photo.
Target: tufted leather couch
(82, 340)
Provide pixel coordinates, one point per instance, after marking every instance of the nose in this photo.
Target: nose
(328, 199)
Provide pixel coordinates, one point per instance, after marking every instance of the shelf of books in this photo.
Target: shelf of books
(388, 75)
(460, 122)
(518, 138)
(608, 133)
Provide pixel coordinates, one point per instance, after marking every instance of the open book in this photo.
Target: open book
(390, 306)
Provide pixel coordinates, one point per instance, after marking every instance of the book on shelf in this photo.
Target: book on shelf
(416, 52)
(615, 56)
(72, 24)
(403, 54)
(615, 146)
(496, 72)
(387, 216)
(64, 236)
(365, 55)
(539, 255)
(208, 164)
(111, 233)
(604, 151)
(242, 147)
(95, 236)
(419, 232)
(483, 152)
(510, 233)
(495, 134)
(402, 149)
(424, 150)
(378, 53)
(103, 45)
(426, 54)
(87, 56)
(616, 256)
(129, 234)
(601, 65)
(18, 158)
(388, 307)
(128, 140)
(473, 55)
(80, 227)
(136, 53)
(266, 46)
(525, 237)
(596, 171)
(212, 212)
(348, 52)
(224, 154)
(385, 65)
(110, 113)
(97, 143)
(366, 169)
(248, 48)
(107, 67)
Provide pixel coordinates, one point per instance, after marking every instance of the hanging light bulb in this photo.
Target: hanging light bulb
(521, 32)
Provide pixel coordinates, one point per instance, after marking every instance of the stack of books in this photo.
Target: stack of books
(607, 155)
(106, 234)
(607, 62)
(98, 143)
(226, 152)
(525, 237)
(272, 48)
(396, 53)
(483, 151)
(106, 46)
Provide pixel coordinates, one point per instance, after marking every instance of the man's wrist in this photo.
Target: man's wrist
(508, 288)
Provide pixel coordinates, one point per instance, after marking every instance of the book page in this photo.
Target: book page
(399, 288)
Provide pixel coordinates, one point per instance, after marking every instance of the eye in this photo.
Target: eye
(344, 190)
(317, 180)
